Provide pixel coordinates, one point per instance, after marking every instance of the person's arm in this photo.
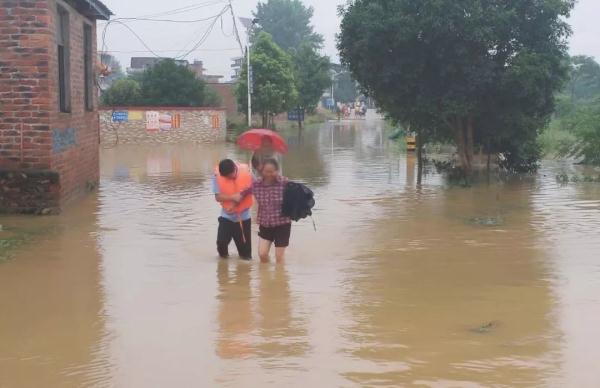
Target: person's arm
(249, 190)
(223, 197)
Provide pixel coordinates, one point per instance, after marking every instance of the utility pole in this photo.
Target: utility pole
(248, 68)
(248, 72)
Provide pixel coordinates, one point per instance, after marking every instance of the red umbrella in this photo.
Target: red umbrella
(253, 139)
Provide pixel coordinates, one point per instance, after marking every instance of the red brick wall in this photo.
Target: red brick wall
(25, 136)
(30, 118)
(228, 99)
(78, 165)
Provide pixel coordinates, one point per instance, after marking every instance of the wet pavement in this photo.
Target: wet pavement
(401, 285)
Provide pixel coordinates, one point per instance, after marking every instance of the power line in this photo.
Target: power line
(120, 21)
(167, 51)
(206, 34)
(235, 29)
(183, 53)
(188, 8)
(136, 19)
(193, 37)
(136, 35)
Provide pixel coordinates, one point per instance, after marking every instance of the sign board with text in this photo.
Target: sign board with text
(152, 121)
(296, 115)
(120, 116)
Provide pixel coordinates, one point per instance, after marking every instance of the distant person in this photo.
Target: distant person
(274, 229)
(266, 151)
(228, 183)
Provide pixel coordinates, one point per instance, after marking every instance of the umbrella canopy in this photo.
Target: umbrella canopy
(253, 139)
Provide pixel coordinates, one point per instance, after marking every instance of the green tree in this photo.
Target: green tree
(124, 92)
(311, 72)
(584, 125)
(584, 79)
(483, 73)
(273, 75)
(344, 87)
(288, 22)
(170, 84)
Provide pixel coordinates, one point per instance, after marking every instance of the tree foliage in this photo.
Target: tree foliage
(344, 87)
(584, 79)
(124, 92)
(273, 75)
(483, 73)
(311, 72)
(164, 84)
(170, 84)
(288, 22)
(584, 123)
(576, 127)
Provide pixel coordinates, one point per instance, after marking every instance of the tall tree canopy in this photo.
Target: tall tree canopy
(164, 84)
(273, 75)
(289, 22)
(344, 87)
(478, 72)
(170, 84)
(311, 72)
(584, 82)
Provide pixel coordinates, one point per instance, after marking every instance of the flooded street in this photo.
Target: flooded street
(401, 285)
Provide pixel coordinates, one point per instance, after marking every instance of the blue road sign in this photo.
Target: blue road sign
(120, 116)
(296, 115)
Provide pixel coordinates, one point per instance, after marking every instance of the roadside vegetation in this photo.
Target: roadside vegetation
(575, 129)
(164, 84)
(288, 72)
(481, 76)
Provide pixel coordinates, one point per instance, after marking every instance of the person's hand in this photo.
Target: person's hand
(237, 198)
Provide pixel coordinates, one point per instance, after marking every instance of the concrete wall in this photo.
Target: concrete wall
(34, 135)
(130, 125)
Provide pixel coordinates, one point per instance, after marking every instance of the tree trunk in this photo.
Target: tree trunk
(265, 120)
(463, 134)
(489, 160)
(470, 129)
(419, 141)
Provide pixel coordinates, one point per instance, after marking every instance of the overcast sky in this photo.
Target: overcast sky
(171, 39)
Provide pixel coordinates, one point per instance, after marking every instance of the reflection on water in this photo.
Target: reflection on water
(401, 285)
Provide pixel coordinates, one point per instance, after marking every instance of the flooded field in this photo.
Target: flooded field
(401, 285)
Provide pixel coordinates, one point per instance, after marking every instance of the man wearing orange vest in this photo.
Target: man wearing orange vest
(231, 182)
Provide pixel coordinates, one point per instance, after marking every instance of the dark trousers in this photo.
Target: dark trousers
(229, 230)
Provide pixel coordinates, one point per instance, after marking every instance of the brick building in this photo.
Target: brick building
(228, 99)
(49, 126)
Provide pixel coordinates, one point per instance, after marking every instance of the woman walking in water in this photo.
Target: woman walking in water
(273, 227)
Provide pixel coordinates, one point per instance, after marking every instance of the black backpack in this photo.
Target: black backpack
(298, 201)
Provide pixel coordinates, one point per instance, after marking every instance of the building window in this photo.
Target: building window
(64, 70)
(88, 71)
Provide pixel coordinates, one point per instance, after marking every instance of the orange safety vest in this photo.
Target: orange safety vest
(228, 186)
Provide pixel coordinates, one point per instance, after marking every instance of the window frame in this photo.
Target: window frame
(63, 40)
(88, 69)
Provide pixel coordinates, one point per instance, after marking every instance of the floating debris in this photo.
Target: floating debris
(564, 179)
(486, 221)
(486, 327)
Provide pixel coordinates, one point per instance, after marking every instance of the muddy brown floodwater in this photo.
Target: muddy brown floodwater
(402, 285)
